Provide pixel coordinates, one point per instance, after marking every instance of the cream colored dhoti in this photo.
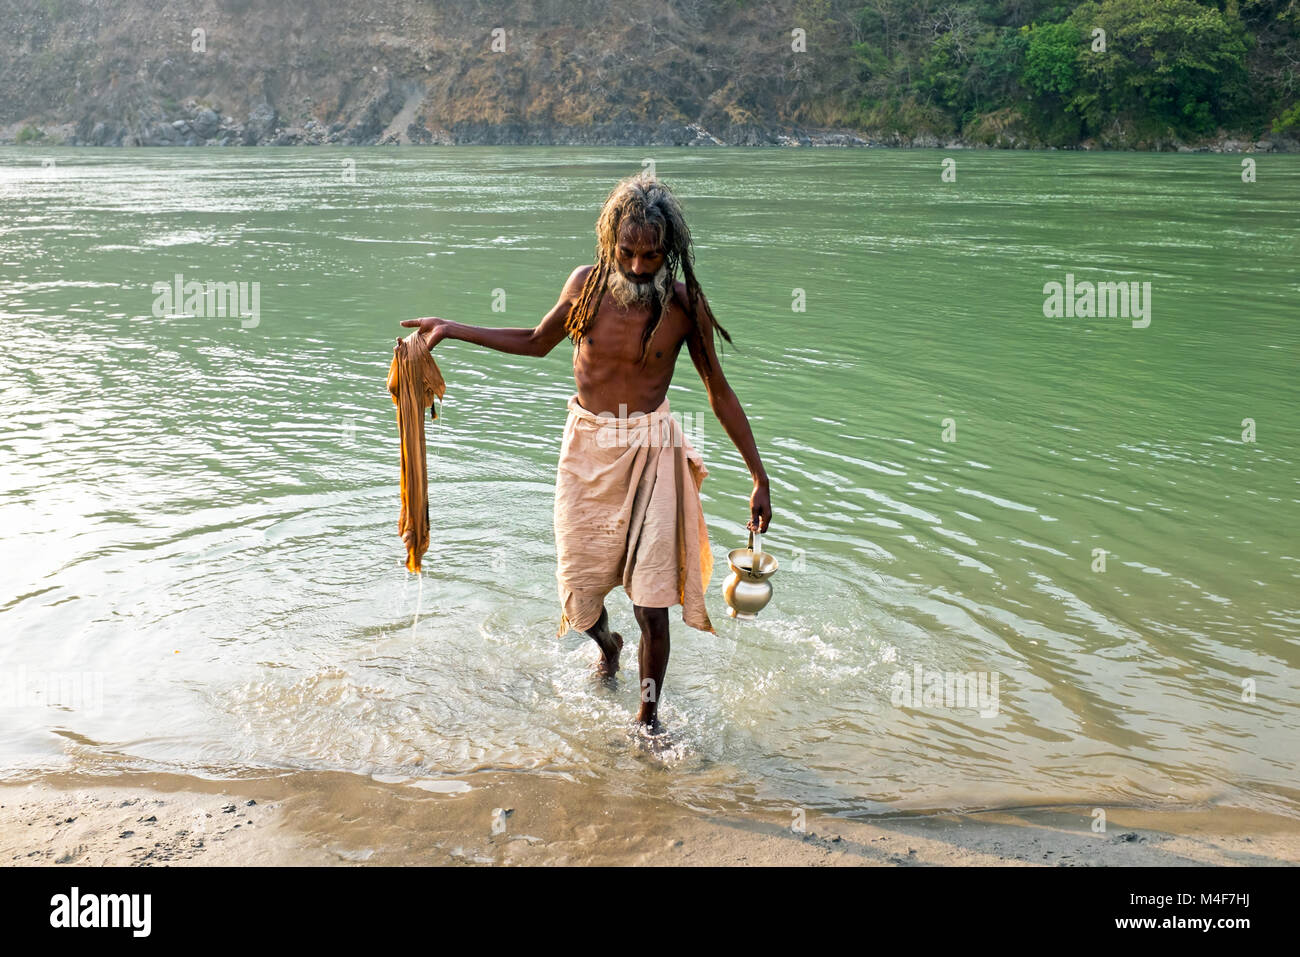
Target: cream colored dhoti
(628, 512)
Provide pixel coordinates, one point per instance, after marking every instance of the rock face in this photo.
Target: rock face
(260, 124)
(205, 123)
(306, 72)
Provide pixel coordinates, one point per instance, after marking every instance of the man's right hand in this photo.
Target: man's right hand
(432, 329)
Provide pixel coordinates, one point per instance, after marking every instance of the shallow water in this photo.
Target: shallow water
(200, 512)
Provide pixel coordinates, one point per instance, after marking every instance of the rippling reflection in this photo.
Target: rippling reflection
(206, 513)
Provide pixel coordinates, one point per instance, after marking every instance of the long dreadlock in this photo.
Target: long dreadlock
(645, 202)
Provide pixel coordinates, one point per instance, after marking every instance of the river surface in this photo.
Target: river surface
(199, 562)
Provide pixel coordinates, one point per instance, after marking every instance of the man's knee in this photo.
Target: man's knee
(651, 618)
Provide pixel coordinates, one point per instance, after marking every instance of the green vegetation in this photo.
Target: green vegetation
(1288, 120)
(1044, 70)
(29, 134)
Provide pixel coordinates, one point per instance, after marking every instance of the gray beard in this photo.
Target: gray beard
(627, 293)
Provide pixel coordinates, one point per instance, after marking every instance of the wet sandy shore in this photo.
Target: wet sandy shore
(326, 818)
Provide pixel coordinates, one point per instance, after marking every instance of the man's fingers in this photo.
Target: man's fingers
(410, 322)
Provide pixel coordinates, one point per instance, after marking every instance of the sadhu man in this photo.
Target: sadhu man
(627, 506)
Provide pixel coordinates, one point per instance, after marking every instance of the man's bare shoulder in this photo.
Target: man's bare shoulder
(679, 294)
(573, 285)
(679, 290)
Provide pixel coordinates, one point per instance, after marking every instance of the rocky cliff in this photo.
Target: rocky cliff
(232, 72)
(564, 72)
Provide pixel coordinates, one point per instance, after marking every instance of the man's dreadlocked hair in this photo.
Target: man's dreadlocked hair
(645, 202)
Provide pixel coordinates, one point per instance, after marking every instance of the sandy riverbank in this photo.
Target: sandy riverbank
(324, 818)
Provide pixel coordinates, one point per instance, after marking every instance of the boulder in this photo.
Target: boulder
(205, 123)
(261, 122)
(160, 134)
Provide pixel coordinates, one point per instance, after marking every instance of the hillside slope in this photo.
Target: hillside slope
(672, 72)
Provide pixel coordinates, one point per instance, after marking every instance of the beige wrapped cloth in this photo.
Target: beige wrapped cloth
(628, 512)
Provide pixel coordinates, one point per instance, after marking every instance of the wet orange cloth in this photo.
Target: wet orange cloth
(413, 381)
(628, 512)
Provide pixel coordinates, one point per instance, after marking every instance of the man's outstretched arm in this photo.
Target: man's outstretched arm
(520, 342)
(726, 406)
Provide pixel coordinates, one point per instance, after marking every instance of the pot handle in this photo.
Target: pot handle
(756, 549)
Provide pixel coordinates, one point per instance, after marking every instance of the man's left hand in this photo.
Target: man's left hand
(760, 509)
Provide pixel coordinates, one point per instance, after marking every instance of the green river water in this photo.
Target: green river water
(200, 511)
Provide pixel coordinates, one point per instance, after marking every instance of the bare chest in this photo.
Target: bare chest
(615, 336)
(607, 366)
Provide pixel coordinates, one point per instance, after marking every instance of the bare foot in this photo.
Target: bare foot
(648, 726)
(610, 644)
(607, 664)
(653, 738)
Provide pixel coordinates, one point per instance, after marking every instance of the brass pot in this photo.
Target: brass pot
(747, 589)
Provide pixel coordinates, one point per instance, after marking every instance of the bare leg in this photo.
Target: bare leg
(609, 642)
(653, 658)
